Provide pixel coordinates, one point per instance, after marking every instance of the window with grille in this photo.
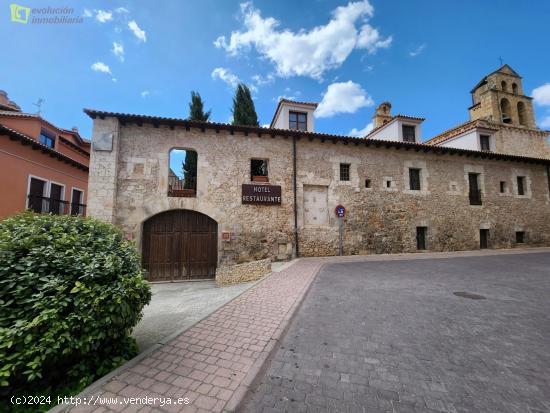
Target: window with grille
(344, 172)
(409, 133)
(297, 120)
(414, 179)
(258, 170)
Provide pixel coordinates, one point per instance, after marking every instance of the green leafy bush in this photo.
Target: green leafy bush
(71, 290)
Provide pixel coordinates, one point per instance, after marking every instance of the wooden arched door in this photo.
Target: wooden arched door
(180, 245)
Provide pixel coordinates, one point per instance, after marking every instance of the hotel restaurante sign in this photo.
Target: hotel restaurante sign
(261, 194)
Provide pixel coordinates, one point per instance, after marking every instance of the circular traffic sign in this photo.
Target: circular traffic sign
(340, 211)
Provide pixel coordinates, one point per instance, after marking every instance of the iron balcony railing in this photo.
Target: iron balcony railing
(475, 197)
(45, 205)
(186, 187)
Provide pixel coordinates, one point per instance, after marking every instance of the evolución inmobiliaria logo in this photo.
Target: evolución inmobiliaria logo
(44, 15)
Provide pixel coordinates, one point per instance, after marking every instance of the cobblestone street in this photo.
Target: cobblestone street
(392, 337)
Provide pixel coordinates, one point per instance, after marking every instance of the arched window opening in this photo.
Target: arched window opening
(504, 86)
(182, 173)
(505, 111)
(521, 113)
(515, 88)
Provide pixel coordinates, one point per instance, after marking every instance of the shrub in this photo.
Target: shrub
(71, 290)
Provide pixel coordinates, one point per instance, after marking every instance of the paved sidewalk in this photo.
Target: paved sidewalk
(214, 362)
(178, 306)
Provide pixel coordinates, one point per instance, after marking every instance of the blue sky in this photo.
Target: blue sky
(422, 56)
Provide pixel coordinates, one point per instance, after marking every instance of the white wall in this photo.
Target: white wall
(393, 131)
(469, 140)
(389, 132)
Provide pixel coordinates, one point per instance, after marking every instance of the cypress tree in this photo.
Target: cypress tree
(244, 112)
(196, 108)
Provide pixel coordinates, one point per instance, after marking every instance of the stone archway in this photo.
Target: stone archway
(179, 245)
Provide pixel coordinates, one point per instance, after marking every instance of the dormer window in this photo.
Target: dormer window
(297, 120)
(47, 138)
(409, 133)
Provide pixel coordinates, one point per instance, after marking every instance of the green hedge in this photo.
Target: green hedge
(71, 290)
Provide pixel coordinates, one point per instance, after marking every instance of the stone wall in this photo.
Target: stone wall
(240, 273)
(383, 219)
(128, 185)
(223, 166)
(521, 141)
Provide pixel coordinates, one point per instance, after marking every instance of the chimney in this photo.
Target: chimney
(382, 114)
(74, 129)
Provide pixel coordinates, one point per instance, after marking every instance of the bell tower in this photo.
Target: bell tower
(382, 114)
(499, 98)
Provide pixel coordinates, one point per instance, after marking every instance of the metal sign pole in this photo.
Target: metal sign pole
(341, 233)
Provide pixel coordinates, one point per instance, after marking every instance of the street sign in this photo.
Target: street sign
(340, 211)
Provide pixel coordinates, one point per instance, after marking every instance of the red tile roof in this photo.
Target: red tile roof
(460, 129)
(156, 121)
(27, 140)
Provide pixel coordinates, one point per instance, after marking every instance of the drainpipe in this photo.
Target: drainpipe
(294, 187)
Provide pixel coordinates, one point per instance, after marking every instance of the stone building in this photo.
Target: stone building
(200, 197)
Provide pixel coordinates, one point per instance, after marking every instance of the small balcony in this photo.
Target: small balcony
(43, 205)
(183, 188)
(475, 197)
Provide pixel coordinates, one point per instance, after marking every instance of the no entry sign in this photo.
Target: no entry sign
(340, 211)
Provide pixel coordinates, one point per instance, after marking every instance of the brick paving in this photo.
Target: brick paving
(213, 362)
(390, 336)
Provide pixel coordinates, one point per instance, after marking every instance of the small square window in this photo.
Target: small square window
(367, 183)
(485, 142)
(297, 120)
(388, 184)
(503, 188)
(47, 139)
(258, 170)
(520, 237)
(344, 172)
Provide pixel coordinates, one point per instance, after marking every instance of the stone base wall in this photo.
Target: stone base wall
(240, 273)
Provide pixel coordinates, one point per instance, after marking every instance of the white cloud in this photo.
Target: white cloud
(139, 33)
(418, 50)
(342, 97)
(101, 67)
(122, 10)
(263, 80)
(369, 38)
(360, 133)
(118, 50)
(541, 95)
(305, 53)
(87, 13)
(145, 93)
(225, 75)
(103, 16)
